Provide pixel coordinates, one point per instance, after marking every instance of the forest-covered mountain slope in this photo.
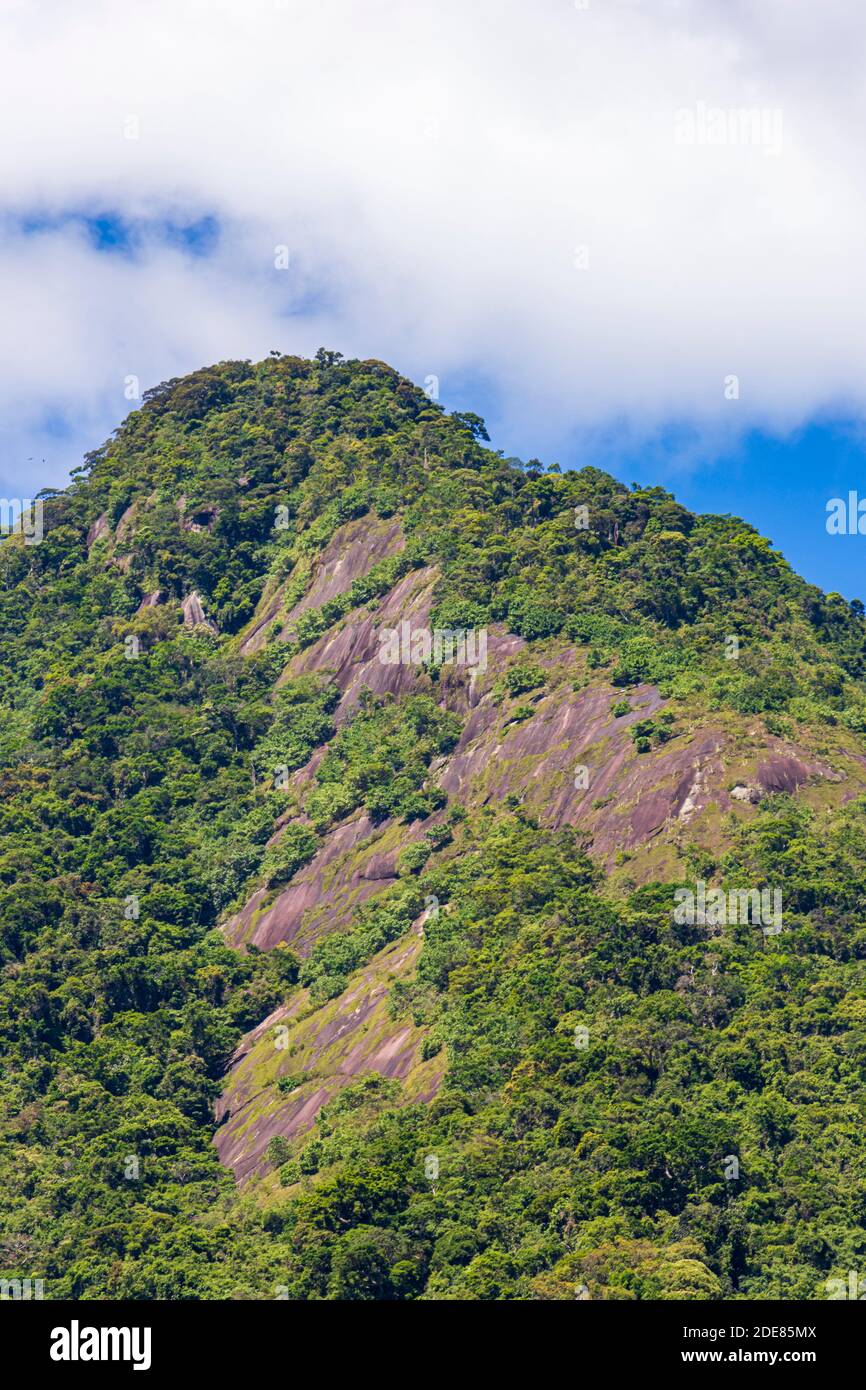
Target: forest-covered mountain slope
(334, 968)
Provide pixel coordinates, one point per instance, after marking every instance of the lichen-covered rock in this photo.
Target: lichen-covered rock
(346, 1038)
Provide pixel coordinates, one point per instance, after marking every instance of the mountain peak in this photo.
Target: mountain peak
(381, 813)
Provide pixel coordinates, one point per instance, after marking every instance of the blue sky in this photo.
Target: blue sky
(110, 233)
(583, 220)
(780, 485)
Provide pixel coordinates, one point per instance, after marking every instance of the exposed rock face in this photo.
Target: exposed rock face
(356, 861)
(786, 773)
(351, 652)
(344, 1039)
(203, 518)
(150, 600)
(624, 798)
(350, 554)
(124, 525)
(570, 760)
(621, 798)
(194, 614)
(99, 529)
(281, 921)
(541, 753)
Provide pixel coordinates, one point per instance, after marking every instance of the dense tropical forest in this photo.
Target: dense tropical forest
(624, 1107)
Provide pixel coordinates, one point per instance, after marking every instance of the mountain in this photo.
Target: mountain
(424, 874)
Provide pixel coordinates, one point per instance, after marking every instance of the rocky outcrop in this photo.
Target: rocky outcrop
(280, 921)
(126, 522)
(325, 1049)
(350, 554)
(150, 601)
(356, 861)
(194, 614)
(786, 772)
(98, 530)
(202, 519)
(351, 651)
(573, 762)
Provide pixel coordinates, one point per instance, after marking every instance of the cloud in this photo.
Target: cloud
(604, 213)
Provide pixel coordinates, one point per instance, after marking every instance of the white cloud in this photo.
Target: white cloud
(435, 170)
